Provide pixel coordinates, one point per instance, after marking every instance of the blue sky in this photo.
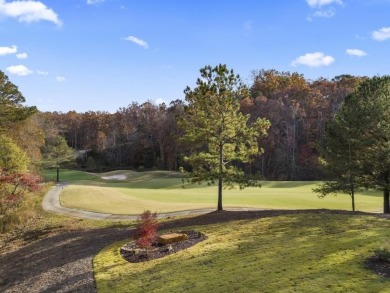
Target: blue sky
(102, 55)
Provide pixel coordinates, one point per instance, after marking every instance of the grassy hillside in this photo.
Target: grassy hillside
(295, 253)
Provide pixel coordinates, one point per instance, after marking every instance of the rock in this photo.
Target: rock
(168, 248)
(171, 238)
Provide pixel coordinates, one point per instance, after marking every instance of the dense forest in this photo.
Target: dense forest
(146, 135)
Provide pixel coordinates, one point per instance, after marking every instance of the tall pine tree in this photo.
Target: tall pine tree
(218, 132)
(358, 142)
(339, 159)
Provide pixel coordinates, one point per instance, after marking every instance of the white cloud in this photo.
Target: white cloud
(356, 52)
(22, 56)
(137, 41)
(325, 13)
(160, 101)
(316, 59)
(28, 11)
(60, 78)
(91, 2)
(8, 50)
(320, 3)
(320, 11)
(382, 34)
(19, 70)
(40, 72)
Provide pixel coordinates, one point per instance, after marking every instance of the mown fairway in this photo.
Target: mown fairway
(294, 253)
(163, 191)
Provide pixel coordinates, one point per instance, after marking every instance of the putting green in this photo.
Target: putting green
(163, 191)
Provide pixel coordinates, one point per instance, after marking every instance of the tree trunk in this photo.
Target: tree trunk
(220, 178)
(386, 201)
(58, 174)
(176, 167)
(220, 195)
(351, 179)
(292, 176)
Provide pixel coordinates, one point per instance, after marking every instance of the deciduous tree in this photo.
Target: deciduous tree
(12, 158)
(29, 136)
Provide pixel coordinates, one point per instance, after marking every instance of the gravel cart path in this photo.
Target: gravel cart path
(58, 263)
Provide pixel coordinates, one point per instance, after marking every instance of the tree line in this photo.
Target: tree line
(146, 135)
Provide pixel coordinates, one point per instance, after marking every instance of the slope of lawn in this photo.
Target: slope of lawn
(294, 253)
(163, 191)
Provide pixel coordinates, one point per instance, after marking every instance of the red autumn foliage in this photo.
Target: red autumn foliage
(14, 186)
(146, 230)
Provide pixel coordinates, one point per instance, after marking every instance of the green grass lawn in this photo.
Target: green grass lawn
(163, 191)
(295, 253)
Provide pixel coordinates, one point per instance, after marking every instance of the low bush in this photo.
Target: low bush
(146, 229)
(13, 189)
(383, 253)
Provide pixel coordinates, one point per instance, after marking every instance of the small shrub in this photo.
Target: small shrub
(13, 189)
(146, 230)
(383, 254)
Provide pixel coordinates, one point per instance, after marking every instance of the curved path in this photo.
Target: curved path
(51, 203)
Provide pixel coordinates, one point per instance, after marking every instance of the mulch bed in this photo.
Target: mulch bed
(133, 254)
(379, 267)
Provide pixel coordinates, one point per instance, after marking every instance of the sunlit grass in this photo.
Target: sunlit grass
(296, 253)
(163, 191)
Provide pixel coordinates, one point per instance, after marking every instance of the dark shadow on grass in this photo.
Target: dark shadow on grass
(62, 261)
(226, 216)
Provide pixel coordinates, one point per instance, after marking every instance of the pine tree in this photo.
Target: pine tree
(218, 132)
(56, 153)
(11, 104)
(358, 141)
(339, 160)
